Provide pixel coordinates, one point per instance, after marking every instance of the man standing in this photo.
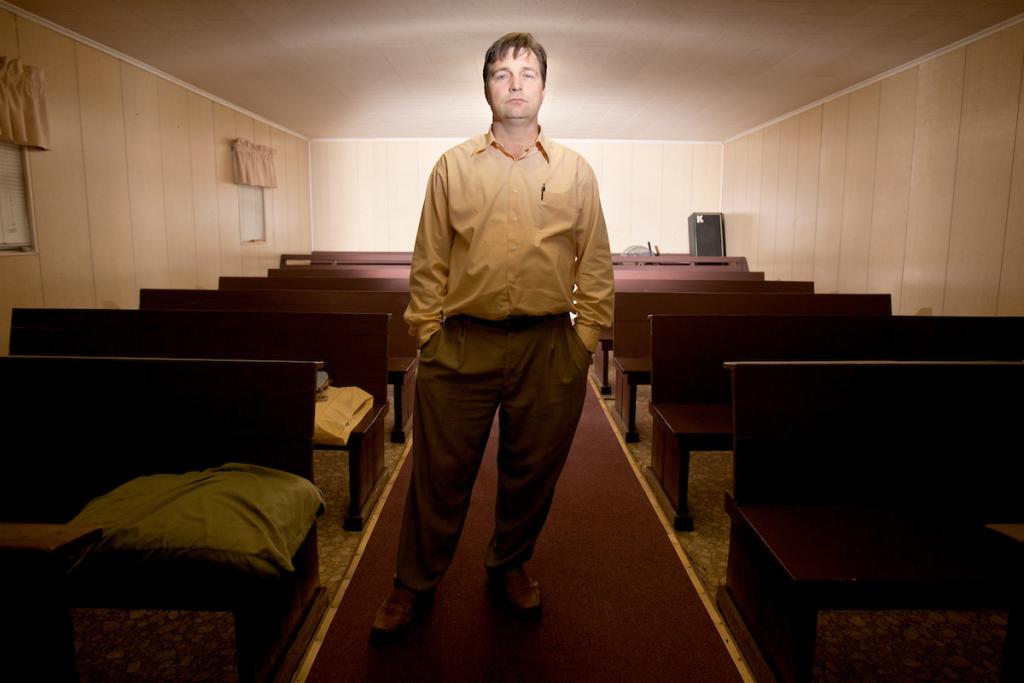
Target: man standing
(511, 240)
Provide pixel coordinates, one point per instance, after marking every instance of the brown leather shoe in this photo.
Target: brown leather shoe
(521, 593)
(395, 615)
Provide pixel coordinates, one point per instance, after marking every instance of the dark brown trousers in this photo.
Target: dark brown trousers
(533, 372)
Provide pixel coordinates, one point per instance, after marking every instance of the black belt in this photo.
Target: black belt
(515, 322)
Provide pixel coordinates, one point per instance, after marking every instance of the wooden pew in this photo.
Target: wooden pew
(402, 353)
(353, 348)
(606, 340)
(690, 393)
(340, 281)
(366, 284)
(335, 257)
(868, 486)
(79, 427)
(632, 331)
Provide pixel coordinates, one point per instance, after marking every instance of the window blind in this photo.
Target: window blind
(250, 210)
(15, 231)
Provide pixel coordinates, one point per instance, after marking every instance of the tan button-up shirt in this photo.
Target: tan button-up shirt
(502, 237)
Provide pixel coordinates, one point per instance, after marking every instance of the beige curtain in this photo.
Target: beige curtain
(253, 164)
(23, 118)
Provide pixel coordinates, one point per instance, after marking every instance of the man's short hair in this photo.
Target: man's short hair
(516, 43)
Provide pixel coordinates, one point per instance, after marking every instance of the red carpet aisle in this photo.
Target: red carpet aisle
(618, 605)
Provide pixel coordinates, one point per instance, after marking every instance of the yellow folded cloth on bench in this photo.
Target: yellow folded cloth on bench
(340, 411)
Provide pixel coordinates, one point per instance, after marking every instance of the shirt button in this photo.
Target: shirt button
(514, 219)
(514, 191)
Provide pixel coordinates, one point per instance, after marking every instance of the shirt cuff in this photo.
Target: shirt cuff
(588, 335)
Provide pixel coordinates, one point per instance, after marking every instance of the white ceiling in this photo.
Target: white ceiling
(618, 69)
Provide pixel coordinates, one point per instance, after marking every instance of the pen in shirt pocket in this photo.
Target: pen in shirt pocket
(542, 188)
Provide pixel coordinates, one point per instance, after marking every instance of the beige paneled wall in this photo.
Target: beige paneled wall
(367, 194)
(137, 190)
(911, 185)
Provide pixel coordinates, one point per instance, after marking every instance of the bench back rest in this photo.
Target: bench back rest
(632, 329)
(331, 257)
(364, 270)
(352, 346)
(401, 343)
(363, 284)
(78, 427)
(957, 337)
(903, 434)
(683, 273)
(675, 285)
(405, 257)
(723, 262)
(688, 351)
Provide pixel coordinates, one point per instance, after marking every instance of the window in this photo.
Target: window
(250, 213)
(15, 225)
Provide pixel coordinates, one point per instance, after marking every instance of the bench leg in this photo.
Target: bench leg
(626, 400)
(625, 406)
(365, 476)
(604, 353)
(625, 403)
(354, 516)
(403, 389)
(273, 629)
(1013, 657)
(782, 627)
(683, 519)
(398, 428)
(632, 434)
(42, 645)
(670, 467)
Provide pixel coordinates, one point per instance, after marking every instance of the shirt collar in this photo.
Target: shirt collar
(488, 141)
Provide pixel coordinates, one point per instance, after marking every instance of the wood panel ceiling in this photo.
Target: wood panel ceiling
(618, 69)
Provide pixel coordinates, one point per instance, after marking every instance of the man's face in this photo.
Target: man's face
(515, 89)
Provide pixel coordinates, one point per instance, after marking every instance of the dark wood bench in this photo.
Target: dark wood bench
(352, 347)
(402, 353)
(690, 393)
(365, 284)
(869, 486)
(631, 328)
(126, 418)
(606, 340)
(334, 257)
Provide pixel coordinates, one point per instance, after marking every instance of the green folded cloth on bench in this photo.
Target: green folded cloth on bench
(237, 517)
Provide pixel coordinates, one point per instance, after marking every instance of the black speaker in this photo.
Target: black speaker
(707, 234)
